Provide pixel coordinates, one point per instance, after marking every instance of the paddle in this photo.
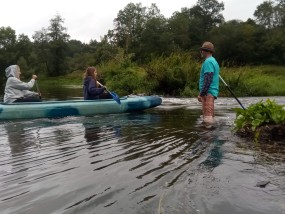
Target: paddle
(232, 92)
(113, 94)
(38, 89)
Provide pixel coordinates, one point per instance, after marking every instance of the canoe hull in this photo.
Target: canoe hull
(54, 109)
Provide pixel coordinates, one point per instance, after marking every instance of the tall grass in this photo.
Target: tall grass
(254, 81)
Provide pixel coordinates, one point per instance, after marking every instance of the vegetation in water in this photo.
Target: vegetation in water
(261, 113)
(261, 120)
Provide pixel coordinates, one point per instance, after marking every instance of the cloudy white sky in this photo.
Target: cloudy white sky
(91, 19)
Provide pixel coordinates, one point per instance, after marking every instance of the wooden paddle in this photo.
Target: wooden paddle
(113, 94)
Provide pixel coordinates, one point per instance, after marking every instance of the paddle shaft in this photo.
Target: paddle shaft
(38, 89)
(113, 94)
(103, 86)
(232, 92)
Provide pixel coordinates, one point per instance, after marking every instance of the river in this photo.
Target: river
(157, 161)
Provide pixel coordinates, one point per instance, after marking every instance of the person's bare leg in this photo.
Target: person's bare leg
(208, 109)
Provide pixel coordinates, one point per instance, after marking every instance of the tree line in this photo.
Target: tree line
(142, 36)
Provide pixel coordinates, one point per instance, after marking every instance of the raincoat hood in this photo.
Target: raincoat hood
(11, 71)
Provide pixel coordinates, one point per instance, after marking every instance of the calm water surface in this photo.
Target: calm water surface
(157, 161)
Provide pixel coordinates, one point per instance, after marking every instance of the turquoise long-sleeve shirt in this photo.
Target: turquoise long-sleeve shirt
(210, 65)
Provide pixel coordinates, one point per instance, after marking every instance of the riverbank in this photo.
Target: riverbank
(245, 81)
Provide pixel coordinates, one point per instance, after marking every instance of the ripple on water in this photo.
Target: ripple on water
(157, 161)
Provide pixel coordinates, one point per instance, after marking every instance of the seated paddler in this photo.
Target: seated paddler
(91, 89)
(17, 90)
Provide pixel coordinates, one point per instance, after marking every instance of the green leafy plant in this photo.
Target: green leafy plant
(259, 114)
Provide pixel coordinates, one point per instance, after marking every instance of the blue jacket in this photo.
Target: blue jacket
(90, 92)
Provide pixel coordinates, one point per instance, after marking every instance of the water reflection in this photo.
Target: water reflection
(215, 155)
(19, 139)
(91, 134)
(214, 149)
(16, 164)
(51, 92)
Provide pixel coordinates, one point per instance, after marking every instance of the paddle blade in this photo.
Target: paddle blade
(115, 97)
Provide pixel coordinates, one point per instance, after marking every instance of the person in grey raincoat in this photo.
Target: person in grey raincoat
(16, 90)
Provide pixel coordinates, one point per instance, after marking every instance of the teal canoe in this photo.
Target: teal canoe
(54, 109)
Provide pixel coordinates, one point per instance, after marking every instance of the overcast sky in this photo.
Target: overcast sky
(91, 19)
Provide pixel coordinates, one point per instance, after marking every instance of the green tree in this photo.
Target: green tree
(77, 55)
(274, 47)
(7, 48)
(280, 14)
(179, 28)
(41, 50)
(155, 38)
(264, 14)
(129, 25)
(51, 47)
(204, 16)
(8, 40)
(58, 39)
(271, 14)
(26, 73)
(24, 47)
(102, 51)
(238, 42)
(190, 27)
(75, 47)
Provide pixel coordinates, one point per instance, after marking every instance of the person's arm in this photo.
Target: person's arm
(208, 78)
(18, 84)
(92, 89)
(28, 93)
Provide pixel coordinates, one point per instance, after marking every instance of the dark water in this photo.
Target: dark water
(157, 161)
